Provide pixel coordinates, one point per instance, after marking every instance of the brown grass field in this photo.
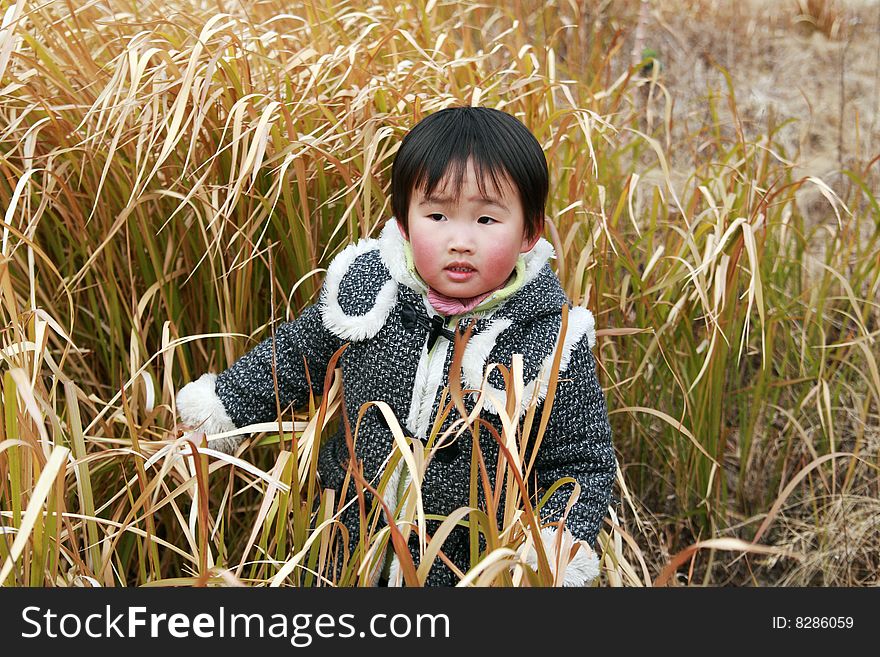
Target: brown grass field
(176, 176)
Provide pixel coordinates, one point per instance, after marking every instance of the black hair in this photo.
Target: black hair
(500, 145)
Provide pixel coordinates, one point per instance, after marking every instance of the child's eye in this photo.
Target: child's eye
(436, 216)
(486, 220)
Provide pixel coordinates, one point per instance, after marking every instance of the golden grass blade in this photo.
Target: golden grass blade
(437, 540)
(84, 479)
(755, 289)
(413, 492)
(295, 560)
(26, 394)
(626, 567)
(503, 557)
(11, 19)
(733, 544)
(268, 499)
(671, 421)
(789, 488)
(54, 465)
(134, 530)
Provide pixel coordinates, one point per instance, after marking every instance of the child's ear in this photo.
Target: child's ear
(401, 229)
(528, 243)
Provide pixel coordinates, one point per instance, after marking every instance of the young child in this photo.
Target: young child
(469, 186)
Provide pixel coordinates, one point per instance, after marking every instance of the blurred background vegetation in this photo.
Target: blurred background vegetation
(176, 175)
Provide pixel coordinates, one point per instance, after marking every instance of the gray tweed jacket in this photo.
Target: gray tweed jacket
(371, 301)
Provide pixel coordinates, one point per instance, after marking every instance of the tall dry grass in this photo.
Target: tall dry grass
(175, 176)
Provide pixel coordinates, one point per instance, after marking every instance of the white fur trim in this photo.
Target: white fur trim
(429, 375)
(390, 495)
(391, 244)
(583, 569)
(200, 408)
(391, 249)
(476, 356)
(580, 571)
(535, 259)
(580, 324)
(395, 577)
(354, 327)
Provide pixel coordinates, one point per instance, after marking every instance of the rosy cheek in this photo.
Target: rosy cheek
(423, 254)
(500, 259)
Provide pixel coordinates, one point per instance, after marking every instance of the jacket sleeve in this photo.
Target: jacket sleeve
(577, 444)
(247, 388)
(245, 393)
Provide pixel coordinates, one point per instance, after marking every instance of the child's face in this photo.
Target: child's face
(466, 247)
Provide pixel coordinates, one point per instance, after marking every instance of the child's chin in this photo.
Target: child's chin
(458, 291)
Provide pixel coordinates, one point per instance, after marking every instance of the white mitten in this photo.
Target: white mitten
(200, 408)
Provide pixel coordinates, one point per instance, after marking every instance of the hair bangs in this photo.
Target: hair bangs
(447, 175)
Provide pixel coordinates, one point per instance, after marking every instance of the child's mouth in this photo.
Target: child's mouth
(460, 274)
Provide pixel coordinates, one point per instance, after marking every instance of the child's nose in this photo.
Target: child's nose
(460, 245)
(461, 240)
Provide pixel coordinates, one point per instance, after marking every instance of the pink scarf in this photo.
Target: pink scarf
(452, 305)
